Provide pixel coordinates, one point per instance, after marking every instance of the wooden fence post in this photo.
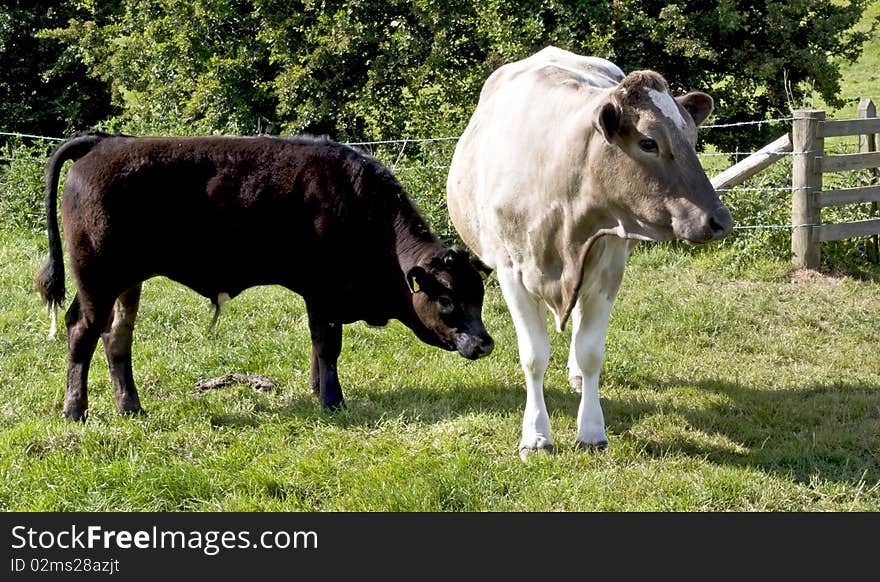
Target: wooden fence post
(868, 143)
(806, 181)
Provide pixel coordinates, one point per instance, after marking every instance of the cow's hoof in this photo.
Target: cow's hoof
(129, 406)
(333, 406)
(576, 383)
(526, 452)
(139, 412)
(591, 447)
(75, 414)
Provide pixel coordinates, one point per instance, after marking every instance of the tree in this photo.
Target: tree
(45, 87)
(179, 67)
(375, 69)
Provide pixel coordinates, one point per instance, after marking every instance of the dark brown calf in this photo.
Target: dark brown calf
(222, 214)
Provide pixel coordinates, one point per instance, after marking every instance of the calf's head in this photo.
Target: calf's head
(644, 166)
(447, 298)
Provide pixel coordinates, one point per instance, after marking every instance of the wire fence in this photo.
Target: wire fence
(404, 143)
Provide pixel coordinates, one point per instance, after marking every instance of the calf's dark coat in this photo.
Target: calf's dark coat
(221, 214)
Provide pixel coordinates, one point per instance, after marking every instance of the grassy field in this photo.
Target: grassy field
(750, 390)
(731, 383)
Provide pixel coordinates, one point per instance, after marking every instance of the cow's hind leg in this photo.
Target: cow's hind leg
(575, 374)
(117, 339)
(529, 316)
(85, 319)
(326, 346)
(315, 372)
(589, 323)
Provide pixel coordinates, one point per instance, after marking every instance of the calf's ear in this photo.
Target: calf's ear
(415, 278)
(607, 119)
(698, 104)
(482, 268)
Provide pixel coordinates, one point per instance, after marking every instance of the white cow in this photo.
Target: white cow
(564, 166)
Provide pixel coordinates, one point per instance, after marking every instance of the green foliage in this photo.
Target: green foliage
(21, 184)
(356, 69)
(761, 209)
(179, 67)
(44, 86)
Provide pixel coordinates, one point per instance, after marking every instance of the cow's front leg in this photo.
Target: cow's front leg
(589, 324)
(117, 340)
(530, 320)
(326, 346)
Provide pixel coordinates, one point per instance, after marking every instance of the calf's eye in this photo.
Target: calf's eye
(648, 145)
(445, 304)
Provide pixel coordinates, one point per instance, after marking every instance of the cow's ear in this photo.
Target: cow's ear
(607, 119)
(415, 278)
(482, 268)
(698, 104)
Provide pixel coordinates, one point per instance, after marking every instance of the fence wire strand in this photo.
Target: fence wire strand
(403, 142)
(30, 136)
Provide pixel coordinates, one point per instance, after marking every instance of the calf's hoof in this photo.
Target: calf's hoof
(139, 412)
(591, 447)
(130, 406)
(576, 383)
(75, 413)
(526, 452)
(332, 407)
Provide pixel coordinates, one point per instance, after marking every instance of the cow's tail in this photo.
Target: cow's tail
(50, 278)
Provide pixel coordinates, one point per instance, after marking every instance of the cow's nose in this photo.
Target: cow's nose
(474, 347)
(720, 223)
(486, 347)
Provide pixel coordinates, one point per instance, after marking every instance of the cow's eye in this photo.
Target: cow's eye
(648, 145)
(445, 303)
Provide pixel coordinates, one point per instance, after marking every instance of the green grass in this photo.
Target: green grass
(721, 393)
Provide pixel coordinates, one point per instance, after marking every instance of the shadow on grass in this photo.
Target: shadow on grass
(829, 432)
(818, 431)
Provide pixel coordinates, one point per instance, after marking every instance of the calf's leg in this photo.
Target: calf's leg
(117, 340)
(529, 316)
(85, 319)
(315, 372)
(326, 346)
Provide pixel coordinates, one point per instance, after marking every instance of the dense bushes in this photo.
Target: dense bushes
(370, 69)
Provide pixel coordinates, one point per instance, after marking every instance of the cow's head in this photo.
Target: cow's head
(644, 167)
(447, 297)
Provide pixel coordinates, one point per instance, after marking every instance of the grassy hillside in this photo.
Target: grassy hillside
(862, 78)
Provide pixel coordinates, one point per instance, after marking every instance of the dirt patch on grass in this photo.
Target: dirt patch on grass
(828, 278)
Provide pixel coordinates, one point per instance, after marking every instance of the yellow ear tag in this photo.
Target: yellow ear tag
(484, 275)
(415, 286)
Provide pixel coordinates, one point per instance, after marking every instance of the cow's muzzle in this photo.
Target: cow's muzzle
(720, 223)
(474, 346)
(714, 225)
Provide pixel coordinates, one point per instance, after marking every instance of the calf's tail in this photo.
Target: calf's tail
(50, 278)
